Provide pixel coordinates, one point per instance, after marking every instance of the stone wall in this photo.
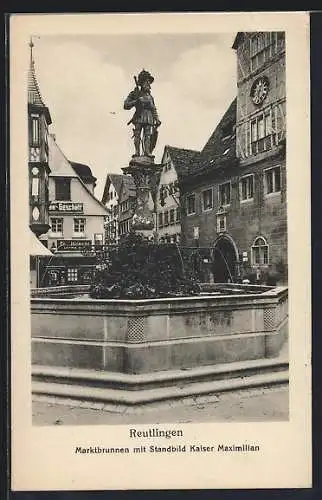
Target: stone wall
(245, 220)
(143, 336)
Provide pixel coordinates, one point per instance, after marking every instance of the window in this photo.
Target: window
(272, 180)
(262, 132)
(125, 206)
(72, 274)
(221, 223)
(160, 219)
(260, 252)
(263, 46)
(224, 194)
(57, 226)
(62, 186)
(79, 226)
(35, 186)
(35, 136)
(98, 239)
(178, 214)
(207, 199)
(246, 188)
(166, 218)
(191, 204)
(172, 216)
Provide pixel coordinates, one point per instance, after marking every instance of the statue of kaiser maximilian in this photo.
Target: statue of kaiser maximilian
(145, 119)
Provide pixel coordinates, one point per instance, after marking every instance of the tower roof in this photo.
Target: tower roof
(34, 95)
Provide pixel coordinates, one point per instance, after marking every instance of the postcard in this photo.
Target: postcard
(160, 251)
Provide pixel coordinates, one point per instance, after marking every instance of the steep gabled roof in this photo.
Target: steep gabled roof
(34, 95)
(83, 171)
(220, 149)
(61, 167)
(128, 186)
(116, 180)
(183, 159)
(238, 39)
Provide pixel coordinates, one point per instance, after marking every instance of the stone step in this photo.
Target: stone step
(71, 376)
(156, 394)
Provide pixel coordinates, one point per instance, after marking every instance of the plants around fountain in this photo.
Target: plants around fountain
(139, 269)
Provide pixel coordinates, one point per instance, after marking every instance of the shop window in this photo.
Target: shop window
(260, 252)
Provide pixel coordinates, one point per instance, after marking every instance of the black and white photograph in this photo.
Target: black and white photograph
(157, 211)
(158, 274)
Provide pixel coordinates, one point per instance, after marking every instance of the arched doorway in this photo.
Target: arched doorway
(225, 257)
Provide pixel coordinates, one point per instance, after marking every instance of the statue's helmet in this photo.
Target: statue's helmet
(145, 76)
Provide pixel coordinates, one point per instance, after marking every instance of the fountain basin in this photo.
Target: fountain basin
(241, 323)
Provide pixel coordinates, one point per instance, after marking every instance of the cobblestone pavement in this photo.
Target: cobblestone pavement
(260, 404)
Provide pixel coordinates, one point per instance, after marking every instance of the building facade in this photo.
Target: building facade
(235, 193)
(76, 217)
(39, 120)
(127, 204)
(168, 208)
(110, 200)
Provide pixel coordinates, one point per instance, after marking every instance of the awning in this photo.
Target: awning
(37, 248)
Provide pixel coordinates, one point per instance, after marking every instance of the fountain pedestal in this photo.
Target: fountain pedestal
(143, 169)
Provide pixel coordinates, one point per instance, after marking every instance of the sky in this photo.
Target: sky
(85, 79)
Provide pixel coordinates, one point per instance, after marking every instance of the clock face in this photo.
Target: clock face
(259, 90)
(35, 171)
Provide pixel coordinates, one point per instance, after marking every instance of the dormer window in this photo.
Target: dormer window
(227, 131)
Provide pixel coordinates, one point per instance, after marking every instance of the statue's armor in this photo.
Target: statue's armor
(146, 112)
(145, 118)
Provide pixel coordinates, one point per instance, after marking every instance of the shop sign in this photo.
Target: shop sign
(73, 244)
(66, 206)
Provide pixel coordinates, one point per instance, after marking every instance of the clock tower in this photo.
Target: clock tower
(39, 120)
(261, 96)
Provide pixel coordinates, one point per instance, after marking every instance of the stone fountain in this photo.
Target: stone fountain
(147, 332)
